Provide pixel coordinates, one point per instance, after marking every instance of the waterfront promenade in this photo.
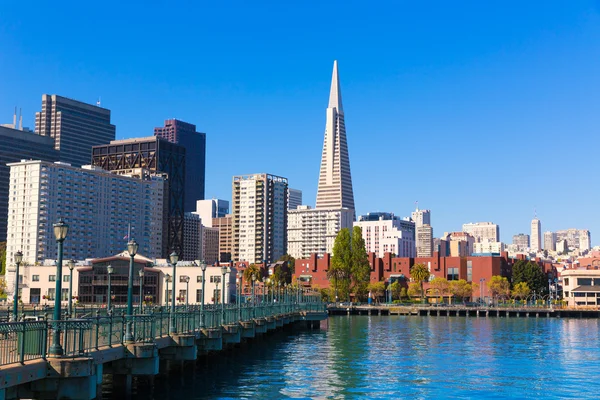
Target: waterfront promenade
(96, 345)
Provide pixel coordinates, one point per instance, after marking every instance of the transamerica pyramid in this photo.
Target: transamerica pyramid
(335, 181)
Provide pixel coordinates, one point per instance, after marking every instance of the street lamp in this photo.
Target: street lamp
(18, 260)
(238, 300)
(132, 248)
(60, 233)
(223, 272)
(174, 257)
(109, 270)
(187, 291)
(141, 289)
(253, 298)
(267, 283)
(481, 282)
(168, 280)
(71, 265)
(203, 267)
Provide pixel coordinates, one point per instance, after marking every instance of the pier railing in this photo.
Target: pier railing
(29, 340)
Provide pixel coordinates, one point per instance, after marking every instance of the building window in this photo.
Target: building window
(51, 294)
(469, 271)
(452, 274)
(566, 281)
(35, 278)
(584, 281)
(64, 295)
(66, 278)
(199, 279)
(52, 278)
(198, 295)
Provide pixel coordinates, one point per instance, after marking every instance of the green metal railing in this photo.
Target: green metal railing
(29, 340)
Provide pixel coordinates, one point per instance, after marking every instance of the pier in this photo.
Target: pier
(97, 345)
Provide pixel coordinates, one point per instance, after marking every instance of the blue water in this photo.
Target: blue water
(398, 357)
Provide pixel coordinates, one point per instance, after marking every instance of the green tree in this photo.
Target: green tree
(462, 289)
(341, 264)
(420, 274)
(403, 293)
(441, 286)
(414, 290)
(395, 289)
(377, 289)
(250, 270)
(2, 288)
(279, 275)
(291, 263)
(499, 286)
(521, 290)
(361, 270)
(530, 273)
(2, 258)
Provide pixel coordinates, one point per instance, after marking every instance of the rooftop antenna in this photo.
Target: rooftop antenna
(15, 119)
(417, 204)
(534, 213)
(99, 101)
(20, 119)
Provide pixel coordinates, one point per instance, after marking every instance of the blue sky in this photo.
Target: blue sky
(481, 111)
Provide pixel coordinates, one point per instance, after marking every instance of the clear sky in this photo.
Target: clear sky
(480, 110)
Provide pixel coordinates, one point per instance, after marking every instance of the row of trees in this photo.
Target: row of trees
(279, 275)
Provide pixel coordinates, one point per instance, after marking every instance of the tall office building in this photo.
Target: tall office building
(160, 156)
(313, 231)
(536, 235)
(386, 233)
(210, 245)
(335, 182)
(425, 241)
(192, 237)
(573, 238)
(185, 135)
(259, 217)
(17, 145)
(210, 209)
(225, 227)
(550, 241)
(100, 208)
(483, 231)
(294, 199)
(421, 217)
(521, 241)
(74, 126)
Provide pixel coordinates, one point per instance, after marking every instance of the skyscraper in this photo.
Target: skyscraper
(549, 241)
(421, 217)
(185, 135)
(74, 126)
(335, 181)
(536, 235)
(159, 156)
(259, 217)
(425, 241)
(294, 198)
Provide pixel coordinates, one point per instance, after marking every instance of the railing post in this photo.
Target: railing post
(22, 344)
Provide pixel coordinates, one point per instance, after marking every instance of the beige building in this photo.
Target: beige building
(581, 287)
(425, 241)
(483, 231)
(225, 227)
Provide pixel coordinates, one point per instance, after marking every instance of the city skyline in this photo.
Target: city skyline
(461, 98)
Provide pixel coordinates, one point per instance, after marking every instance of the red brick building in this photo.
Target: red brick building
(476, 269)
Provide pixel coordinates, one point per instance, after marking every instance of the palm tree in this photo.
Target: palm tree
(420, 273)
(252, 269)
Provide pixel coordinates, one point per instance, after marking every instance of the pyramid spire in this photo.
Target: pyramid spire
(335, 94)
(335, 180)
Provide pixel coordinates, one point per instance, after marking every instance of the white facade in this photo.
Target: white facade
(209, 209)
(424, 241)
(585, 240)
(97, 205)
(581, 287)
(550, 241)
(488, 247)
(386, 233)
(294, 198)
(192, 237)
(421, 217)
(536, 235)
(314, 231)
(483, 231)
(573, 238)
(259, 217)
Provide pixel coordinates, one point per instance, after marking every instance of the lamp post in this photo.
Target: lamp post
(223, 272)
(187, 291)
(141, 289)
(132, 248)
(71, 265)
(18, 260)
(481, 282)
(60, 233)
(549, 292)
(253, 298)
(269, 292)
(203, 267)
(168, 280)
(109, 270)
(238, 300)
(174, 259)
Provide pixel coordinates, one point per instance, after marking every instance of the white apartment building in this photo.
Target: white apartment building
(521, 241)
(585, 240)
(386, 233)
(424, 241)
(313, 231)
(573, 238)
(209, 209)
(550, 241)
(192, 237)
(100, 208)
(294, 198)
(421, 217)
(536, 235)
(259, 217)
(483, 231)
(488, 247)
